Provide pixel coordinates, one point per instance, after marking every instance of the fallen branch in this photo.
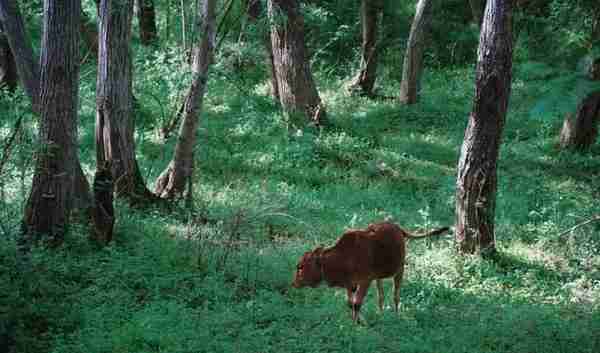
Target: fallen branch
(593, 219)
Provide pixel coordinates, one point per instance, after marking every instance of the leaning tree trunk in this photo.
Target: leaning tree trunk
(147, 22)
(476, 180)
(48, 207)
(114, 102)
(413, 58)
(364, 81)
(581, 131)
(296, 87)
(174, 178)
(8, 68)
(27, 67)
(255, 11)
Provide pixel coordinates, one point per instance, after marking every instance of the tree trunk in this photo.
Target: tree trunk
(296, 87)
(103, 214)
(114, 102)
(580, 132)
(476, 180)
(477, 8)
(81, 198)
(593, 71)
(255, 11)
(147, 22)
(173, 179)
(413, 58)
(274, 84)
(8, 67)
(27, 67)
(48, 207)
(28, 72)
(364, 81)
(89, 33)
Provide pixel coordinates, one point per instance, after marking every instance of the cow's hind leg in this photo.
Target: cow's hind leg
(350, 296)
(397, 284)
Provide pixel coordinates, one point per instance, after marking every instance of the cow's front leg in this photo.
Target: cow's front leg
(358, 299)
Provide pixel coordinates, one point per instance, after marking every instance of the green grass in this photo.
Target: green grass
(217, 279)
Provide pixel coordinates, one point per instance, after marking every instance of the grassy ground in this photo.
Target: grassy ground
(217, 279)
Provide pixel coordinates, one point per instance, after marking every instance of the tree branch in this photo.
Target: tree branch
(591, 220)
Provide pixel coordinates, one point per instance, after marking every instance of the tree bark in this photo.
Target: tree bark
(27, 67)
(364, 81)
(8, 67)
(413, 58)
(297, 90)
(581, 132)
(476, 181)
(103, 214)
(48, 207)
(81, 198)
(147, 22)
(114, 102)
(174, 178)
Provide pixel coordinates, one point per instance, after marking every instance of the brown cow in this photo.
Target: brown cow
(359, 257)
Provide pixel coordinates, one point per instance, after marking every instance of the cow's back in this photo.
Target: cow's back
(377, 252)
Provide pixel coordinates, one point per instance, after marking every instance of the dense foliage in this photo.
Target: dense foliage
(216, 277)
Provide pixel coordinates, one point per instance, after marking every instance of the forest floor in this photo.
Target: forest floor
(217, 278)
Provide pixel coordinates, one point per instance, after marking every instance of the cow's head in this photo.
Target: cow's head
(309, 271)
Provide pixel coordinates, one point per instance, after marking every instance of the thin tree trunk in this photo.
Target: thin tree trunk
(173, 179)
(167, 22)
(477, 8)
(581, 132)
(147, 22)
(9, 144)
(476, 182)
(296, 87)
(89, 33)
(114, 102)
(27, 67)
(8, 67)
(413, 58)
(364, 81)
(48, 207)
(183, 26)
